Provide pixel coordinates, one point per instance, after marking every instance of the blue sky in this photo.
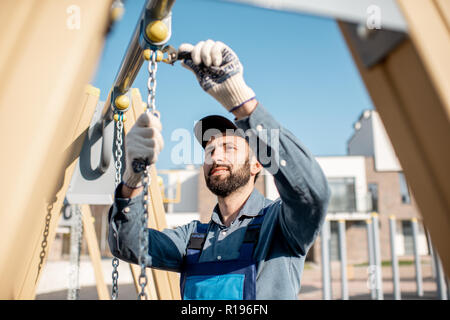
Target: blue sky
(298, 66)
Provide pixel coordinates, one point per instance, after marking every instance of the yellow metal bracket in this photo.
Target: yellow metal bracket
(177, 198)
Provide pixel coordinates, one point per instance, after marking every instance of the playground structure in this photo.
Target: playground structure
(406, 71)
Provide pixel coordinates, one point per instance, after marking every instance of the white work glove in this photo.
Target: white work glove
(144, 141)
(219, 72)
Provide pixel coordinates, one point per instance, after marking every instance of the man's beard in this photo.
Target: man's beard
(223, 187)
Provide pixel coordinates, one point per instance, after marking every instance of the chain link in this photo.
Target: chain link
(151, 83)
(118, 166)
(76, 237)
(118, 152)
(44, 242)
(143, 237)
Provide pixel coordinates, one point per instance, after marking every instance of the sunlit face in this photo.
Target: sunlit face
(228, 165)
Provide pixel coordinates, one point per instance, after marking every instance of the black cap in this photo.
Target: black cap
(209, 126)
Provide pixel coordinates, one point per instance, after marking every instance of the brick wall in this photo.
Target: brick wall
(389, 203)
(356, 242)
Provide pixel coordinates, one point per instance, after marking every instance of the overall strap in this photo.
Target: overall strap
(198, 237)
(253, 229)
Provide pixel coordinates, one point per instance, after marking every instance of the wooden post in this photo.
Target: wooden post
(150, 289)
(53, 208)
(410, 88)
(94, 252)
(158, 221)
(429, 30)
(45, 64)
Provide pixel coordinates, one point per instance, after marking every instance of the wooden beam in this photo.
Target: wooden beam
(415, 115)
(150, 289)
(94, 252)
(45, 67)
(429, 29)
(52, 208)
(159, 218)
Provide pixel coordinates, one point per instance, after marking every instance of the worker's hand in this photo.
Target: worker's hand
(219, 72)
(144, 141)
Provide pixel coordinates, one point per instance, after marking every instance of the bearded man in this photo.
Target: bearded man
(252, 248)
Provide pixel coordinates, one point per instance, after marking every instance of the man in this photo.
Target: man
(252, 248)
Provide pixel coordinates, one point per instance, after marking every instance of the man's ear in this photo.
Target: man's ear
(255, 166)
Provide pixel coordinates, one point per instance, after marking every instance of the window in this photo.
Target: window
(404, 191)
(342, 195)
(335, 254)
(373, 194)
(408, 237)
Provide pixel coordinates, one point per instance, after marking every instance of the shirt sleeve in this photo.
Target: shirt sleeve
(301, 183)
(166, 248)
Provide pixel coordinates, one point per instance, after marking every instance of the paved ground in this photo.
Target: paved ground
(53, 284)
(358, 287)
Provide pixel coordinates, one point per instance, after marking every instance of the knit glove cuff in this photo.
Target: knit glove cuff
(131, 179)
(232, 93)
(218, 71)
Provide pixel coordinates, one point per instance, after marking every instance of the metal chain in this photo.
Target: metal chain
(118, 166)
(151, 83)
(118, 152)
(143, 237)
(76, 237)
(44, 242)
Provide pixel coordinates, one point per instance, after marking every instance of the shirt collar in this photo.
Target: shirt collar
(251, 208)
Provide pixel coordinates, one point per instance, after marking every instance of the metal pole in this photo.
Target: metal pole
(430, 252)
(133, 58)
(394, 260)
(415, 232)
(104, 234)
(440, 277)
(325, 249)
(377, 256)
(76, 236)
(371, 284)
(343, 256)
(153, 11)
(447, 282)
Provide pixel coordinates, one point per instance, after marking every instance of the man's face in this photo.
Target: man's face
(227, 164)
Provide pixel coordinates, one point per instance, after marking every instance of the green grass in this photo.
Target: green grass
(307, 266)
(387, 263)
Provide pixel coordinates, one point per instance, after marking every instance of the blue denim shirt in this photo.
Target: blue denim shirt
(290, 226)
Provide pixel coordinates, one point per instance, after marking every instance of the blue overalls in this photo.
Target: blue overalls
(221, 280)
